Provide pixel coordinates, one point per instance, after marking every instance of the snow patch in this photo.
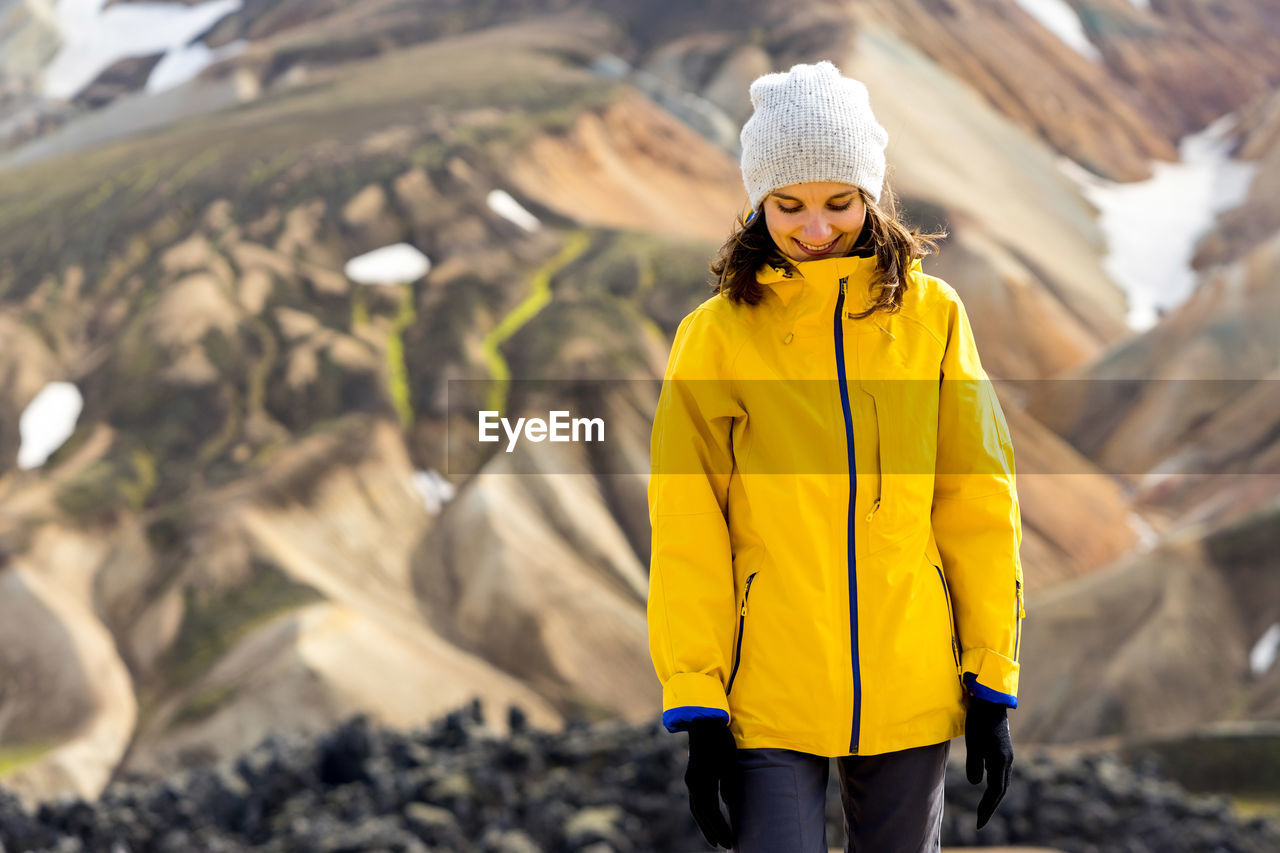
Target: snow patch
(1152, 226)
(47, 422)
(93, 38)
(183, 63)
(1059, 18)
(501, 203)
(1263, 654)
(396, 264)
(435, 490)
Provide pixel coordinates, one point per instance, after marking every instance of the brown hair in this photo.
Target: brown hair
(896, 245)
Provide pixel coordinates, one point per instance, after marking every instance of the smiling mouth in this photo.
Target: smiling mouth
(817, 250)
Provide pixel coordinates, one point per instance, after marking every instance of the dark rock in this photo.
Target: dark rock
(344, 752)
(434, 825)
(600, 788)
(590, 827)
(508, 841)
(121, 77)
(517, 721)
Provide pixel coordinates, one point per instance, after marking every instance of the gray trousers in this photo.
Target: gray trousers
(892, 802)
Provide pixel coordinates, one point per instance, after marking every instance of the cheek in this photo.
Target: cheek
(851, 219)
(777, 228)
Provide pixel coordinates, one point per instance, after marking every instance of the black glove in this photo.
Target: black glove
(987, 743)
(712, 758)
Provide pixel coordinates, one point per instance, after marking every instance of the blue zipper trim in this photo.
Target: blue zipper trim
(742, 624)
(853, 491)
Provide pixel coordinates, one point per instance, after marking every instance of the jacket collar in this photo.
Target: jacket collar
(819, 280)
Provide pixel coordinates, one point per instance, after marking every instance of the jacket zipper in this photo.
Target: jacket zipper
(853, 491)
(742, 624)
(951, 622)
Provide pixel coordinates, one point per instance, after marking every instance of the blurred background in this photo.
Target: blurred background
(245, 246)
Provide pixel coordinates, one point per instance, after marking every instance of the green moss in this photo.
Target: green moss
(266, 168)
(14, 758)
(260, 373)
(639, 265)
(205, 704)
(396, 367)
(429, 155)
(91, 495)
(1248, 807)
(136, 491)
(539, 296)
(97, 197)
(213, 622)
(359, 307)
(231, 428)
(148, 176)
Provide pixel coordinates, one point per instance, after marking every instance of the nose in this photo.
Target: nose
(816, 230)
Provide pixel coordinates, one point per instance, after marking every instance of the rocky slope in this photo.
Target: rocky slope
(1158, 71)
(29, 39)
(1186, 411)
(238, 401)
(1161, 645)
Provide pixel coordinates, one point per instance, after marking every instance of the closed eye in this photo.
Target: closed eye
(837, 208)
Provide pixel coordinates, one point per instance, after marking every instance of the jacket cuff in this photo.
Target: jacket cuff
(679, 719)
(689, 696)
(990, 675)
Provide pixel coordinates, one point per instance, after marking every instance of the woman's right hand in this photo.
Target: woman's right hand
(712, 761)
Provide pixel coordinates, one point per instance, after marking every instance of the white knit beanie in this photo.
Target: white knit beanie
(811, 124)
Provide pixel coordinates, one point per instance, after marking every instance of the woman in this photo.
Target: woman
(834, 568)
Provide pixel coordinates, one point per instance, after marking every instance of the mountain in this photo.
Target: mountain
(1186, 411)
(1160, 645)
(234, 539)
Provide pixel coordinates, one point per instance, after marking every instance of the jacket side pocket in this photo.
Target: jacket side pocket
(1019, 611)
(951, 622)
(742, 624)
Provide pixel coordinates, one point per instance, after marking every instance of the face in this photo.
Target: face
(814, 220)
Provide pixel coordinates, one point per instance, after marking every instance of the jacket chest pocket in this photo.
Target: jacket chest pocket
(900, 433)
(901, 438)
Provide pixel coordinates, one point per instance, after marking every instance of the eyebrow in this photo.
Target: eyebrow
(793, 198)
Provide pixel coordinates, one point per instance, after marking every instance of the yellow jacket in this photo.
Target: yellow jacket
(816, 610)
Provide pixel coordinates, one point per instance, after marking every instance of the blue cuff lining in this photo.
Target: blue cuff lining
(971, 681)
(677, 719)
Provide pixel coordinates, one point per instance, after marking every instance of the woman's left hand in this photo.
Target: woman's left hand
(987, 744)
